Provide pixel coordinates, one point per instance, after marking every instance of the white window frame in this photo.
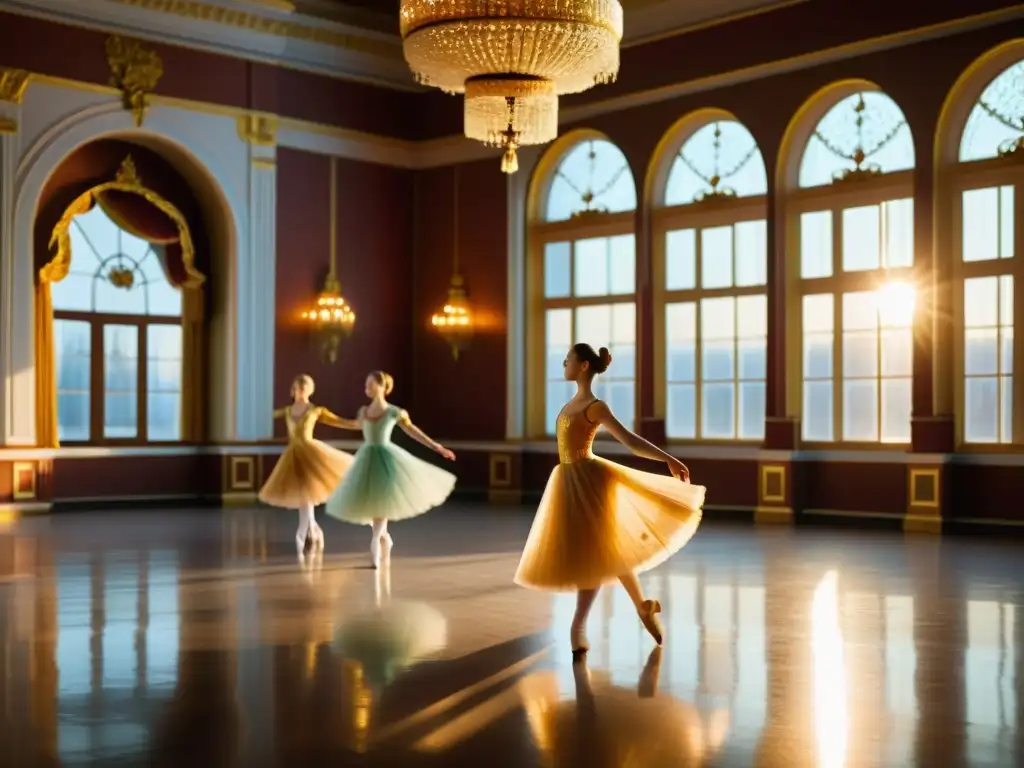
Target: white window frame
(698, 216)
(582, 227)
(985, 174)
(836, 198)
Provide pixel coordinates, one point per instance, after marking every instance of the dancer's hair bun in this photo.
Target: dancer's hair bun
(606, 359)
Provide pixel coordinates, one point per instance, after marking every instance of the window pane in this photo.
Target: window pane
(897, 352)
(751, 253)
(556, 270)
(718, 338)
(981, 355)
(681, 259)
(752, 335)
(981, 224)
(1006, 401)
(72, 344)
(594, 325)
(896, 404)
(716, 257)
(719, 156)
(718, 410)
(623, 265)
(1007, 222)
(818, 336)
(981, 410)
(163, 371)
(752, 408)
(558, 338)
(817, 412)
(681, 341)
(120, 381)
(593, 176)
(816, 244)
(681, 417)
(620, 397)
(623, 342)
(981, 302)
(899, 233)
(861, 238)
(860, 410)
(590, 267)
(73, 293)
(987, 129)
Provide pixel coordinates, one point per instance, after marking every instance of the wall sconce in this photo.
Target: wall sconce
(331, 318)
(454, 321)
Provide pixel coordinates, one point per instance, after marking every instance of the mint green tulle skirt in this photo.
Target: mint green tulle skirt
(386, 481)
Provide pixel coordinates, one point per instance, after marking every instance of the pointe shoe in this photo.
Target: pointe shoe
(316, 536)
(386, 543)
(649, 616)
(302, 542)
(579, 642)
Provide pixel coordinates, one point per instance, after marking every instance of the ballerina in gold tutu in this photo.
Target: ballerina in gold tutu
(308, 470)
(598, 521)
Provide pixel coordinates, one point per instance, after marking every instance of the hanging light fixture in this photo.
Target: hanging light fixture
(512, 59)
(331, 318)
(454, 321)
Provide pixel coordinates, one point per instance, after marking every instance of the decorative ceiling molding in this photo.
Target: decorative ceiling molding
(250, 29)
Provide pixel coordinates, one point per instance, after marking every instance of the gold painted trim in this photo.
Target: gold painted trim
(267, 163)
(773, 515)
(235, 481)
(8, 125)
(916, 473)
(18, 469)
(238, 499)
(13, 83)
(767, 470)
(500, 471)
(922, 524)
(254, 22)
(127, 180)
(258, 129)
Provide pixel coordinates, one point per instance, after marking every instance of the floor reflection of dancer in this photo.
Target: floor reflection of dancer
(387, 482)
(600, 522)
(308, 470)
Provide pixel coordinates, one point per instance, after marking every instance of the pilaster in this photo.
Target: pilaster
(17, 369)
(255, 288)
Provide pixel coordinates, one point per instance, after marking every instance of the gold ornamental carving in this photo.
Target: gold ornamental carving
(13, 83)
(134, 71)
(260, 130)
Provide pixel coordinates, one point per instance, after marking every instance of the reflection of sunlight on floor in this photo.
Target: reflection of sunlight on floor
(830, 706)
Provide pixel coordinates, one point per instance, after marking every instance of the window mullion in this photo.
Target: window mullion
(838, 380)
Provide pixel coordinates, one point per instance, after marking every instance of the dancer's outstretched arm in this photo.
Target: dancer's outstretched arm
(421, 437)
(332, 420)
(280, 413)
(600, 413)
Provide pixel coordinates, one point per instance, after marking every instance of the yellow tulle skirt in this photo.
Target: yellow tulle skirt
(306, 474)
(599, 520)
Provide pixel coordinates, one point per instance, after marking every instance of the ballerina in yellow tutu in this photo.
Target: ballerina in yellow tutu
(308, 470)
(598, 521)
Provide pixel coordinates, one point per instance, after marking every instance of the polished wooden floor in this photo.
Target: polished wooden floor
(199, 638)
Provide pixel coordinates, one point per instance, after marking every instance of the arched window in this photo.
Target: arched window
(117, 339)
(988, 183)
(854, 224)
(583, 277)
(710, 277)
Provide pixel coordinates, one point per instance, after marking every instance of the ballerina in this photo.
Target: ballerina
(387, 482)
(308, 470)
(598, 521)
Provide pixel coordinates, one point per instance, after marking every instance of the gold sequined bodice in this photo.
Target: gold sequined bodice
(301, 429)
(575, 436)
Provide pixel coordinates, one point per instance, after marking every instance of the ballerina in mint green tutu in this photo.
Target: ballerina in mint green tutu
(386, 482)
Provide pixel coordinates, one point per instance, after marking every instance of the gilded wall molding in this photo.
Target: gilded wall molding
(253, 22)
(134, 71)
(260, 130)
(13, 83)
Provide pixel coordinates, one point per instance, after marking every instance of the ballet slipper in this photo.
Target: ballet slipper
(648, 613)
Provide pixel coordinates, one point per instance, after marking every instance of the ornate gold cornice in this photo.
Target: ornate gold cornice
(260, 130)
(253, 22)
(135, 71)
(13, 83)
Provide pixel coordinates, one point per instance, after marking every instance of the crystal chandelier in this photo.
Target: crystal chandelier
(454, 321)
(330, 317)
(512, 59)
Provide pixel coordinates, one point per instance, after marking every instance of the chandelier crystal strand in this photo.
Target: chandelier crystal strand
(512, 59)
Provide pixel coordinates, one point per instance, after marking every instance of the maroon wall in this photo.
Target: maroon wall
(375, 227)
